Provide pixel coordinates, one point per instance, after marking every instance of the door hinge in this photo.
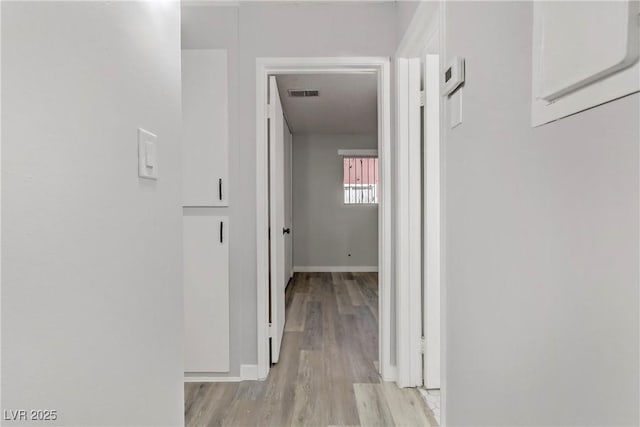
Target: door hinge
(422, 98)
(423, 345)
(270, 330)
(270, 111)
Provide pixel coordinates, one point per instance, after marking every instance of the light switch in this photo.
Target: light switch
(150, 154)
(147, 155)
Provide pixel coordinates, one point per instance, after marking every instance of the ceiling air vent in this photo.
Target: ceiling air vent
(299, 93)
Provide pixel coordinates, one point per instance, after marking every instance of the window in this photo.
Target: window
(360, 180)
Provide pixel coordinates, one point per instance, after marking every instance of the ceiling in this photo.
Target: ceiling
(347, 103)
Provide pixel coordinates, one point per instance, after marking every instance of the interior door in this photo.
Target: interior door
(277, 221)
(288, 202)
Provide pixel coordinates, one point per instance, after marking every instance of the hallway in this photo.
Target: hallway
(327, 374)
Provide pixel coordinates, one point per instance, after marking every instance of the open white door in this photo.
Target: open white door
(288, 203)
(278, 279)
(431, 184)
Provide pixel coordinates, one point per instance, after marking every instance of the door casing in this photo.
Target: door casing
(426, 30)
(324, 65)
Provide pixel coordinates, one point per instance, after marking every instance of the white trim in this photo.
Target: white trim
(432, 228)
(192, 377)
(249, 372)
(441, 23)
(335, 65)
(384, 221)
(414, 219)
(392, 374)
(262, 219)
(1, 202)
(409, 222)
(358, 153)
(336, 269)
(402, 230)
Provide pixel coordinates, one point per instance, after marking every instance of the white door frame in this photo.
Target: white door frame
(432, 277)
(408, 219)
(427, 23)
(321, 65)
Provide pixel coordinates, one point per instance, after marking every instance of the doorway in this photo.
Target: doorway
(270, 172)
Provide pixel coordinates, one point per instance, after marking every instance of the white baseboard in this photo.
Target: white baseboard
(390, 374)
(336, 269)
(249, 372)
(205, 377)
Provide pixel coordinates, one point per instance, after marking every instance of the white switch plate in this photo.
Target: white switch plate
(147, 155)
(455, 108)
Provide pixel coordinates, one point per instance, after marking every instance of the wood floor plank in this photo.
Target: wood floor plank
(213, 406)
(277, 408)
(297, 313)
(343, 300)
(406, 405)
(362, 369)
(194, 400)
(370, 300)
(241, 413)
(373, 409)
(317, 287)
(312, 335)
(251, 390)
(307, 408)
(302, 282)
(367, 330)
(341, 400)
(353, 289)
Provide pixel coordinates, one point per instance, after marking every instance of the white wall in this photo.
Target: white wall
(91, 284)
(405, 11)
(263, 29)
(326, 232)
(541, 242)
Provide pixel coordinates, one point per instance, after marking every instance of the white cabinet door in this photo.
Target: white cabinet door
(205, 127)
(206, 292)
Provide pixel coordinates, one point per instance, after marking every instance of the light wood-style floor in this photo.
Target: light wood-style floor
(327, 371)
